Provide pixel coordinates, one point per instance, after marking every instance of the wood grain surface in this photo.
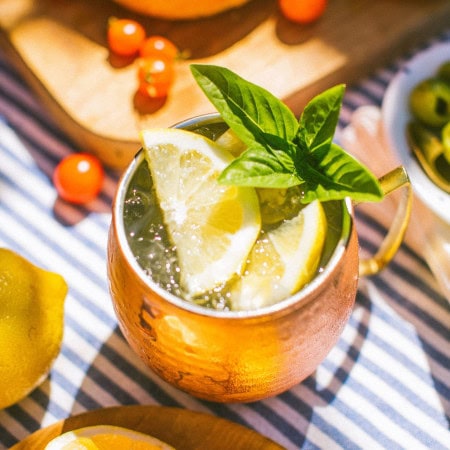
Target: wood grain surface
(59, 47)
(180, 428)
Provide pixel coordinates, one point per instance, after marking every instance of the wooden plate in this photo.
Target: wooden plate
(180, 428)
(59, 47)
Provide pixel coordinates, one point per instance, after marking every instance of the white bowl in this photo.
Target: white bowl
(395, 116)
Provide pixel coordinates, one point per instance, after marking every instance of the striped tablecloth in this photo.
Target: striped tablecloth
(386, 384)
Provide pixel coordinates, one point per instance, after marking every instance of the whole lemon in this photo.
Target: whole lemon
(31, 325)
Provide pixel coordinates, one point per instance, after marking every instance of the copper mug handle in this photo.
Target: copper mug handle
(390, 182)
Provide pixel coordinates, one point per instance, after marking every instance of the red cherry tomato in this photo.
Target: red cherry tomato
(78, 178)
(125, 36)
(155, 76)
(302, 11)
(159, 46)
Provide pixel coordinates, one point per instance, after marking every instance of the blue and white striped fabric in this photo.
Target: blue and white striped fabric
(386, 384)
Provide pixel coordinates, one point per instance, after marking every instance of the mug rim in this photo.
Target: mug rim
(293, 301)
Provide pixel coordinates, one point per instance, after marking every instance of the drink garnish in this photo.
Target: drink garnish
(282, 151)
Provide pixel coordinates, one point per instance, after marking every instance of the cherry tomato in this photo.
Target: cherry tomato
(78, 178)
(125, 36)
(155, 76)
(302, 11)
(158, 46)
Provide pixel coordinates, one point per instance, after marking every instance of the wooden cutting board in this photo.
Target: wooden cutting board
(59, 47)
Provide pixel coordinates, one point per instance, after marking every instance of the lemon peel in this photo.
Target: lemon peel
(31, 325)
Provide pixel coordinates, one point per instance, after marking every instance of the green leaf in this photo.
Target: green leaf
(281, 151)
(249, 110)
(320, 117)
(257, 168)
(330, 173)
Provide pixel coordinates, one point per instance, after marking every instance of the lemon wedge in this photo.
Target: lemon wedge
(213, 226)
(231, 142)
(282, 261)
(102, 437)
(31, 324)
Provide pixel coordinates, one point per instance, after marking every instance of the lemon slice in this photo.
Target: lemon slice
(213, 226)
(99, 437)
(282, 261)
(231, 142)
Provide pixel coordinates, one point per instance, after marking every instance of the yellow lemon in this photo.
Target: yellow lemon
(106, 437)
(282, 261)
(213, 226)
(31, 325)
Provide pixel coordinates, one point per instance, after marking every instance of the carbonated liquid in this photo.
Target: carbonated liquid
(150, 243)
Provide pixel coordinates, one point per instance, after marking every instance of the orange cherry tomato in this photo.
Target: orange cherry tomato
(155, 76)
(78, 178)
(125, 36)
(158, 46)
(302, 11)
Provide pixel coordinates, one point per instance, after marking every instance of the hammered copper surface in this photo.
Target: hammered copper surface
(232, 359)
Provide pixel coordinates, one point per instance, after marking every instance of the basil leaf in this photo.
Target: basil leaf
(320, 117)
(281, 151)
(249, 110)
(258, 168)
(330, 173)
(284, 151)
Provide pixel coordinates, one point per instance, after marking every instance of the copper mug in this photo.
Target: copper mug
(242, 356)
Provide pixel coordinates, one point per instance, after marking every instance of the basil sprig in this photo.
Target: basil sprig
(281, 151)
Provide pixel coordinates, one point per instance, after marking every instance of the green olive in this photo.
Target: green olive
(430, 102)
(445, 136)
(426, 141)
(444, 71)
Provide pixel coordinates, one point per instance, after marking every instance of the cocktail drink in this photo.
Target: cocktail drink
(228, 291)
(149, 240)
